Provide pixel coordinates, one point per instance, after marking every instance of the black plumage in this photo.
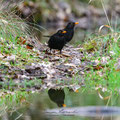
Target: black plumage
(57, 96)
(69, 31)
(57, 41)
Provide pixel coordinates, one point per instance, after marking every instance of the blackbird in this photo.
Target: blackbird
(69, 31)
(57, 40)
(57, 96)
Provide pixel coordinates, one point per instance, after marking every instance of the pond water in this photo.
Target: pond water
(65, 104)
(87, 105)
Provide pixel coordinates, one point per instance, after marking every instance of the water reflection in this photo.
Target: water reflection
(57, 96)
(91, 111)
(79, 106)
(84, 101)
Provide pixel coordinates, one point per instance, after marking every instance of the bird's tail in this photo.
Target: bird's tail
(46, 36)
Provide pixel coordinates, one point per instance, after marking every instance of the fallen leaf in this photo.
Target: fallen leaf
(28, 46)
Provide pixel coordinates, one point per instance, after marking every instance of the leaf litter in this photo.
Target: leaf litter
(48, 70)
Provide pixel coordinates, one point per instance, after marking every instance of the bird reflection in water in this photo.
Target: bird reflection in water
(57, 96)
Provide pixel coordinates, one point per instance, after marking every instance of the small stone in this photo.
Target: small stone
(76, 61)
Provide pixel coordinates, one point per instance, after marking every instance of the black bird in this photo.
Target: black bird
(57, 96)
(69, 31)
(57, 40)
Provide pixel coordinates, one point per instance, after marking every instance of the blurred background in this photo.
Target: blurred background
(50, 15)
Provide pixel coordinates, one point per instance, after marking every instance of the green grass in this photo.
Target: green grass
(12, 27)
(12, 101)
(107, 77)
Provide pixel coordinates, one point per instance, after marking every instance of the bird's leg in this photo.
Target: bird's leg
(59, 55)
(50, 50)
(60, 51)
(54, 51)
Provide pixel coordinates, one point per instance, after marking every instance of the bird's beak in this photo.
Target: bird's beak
(64, 32)
(76, 23)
